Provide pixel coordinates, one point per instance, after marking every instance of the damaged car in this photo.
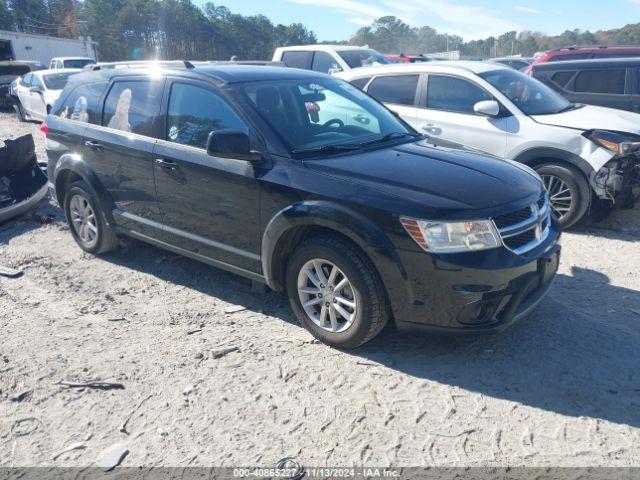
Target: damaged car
(9, 72)
(22, 181)
(587, 155)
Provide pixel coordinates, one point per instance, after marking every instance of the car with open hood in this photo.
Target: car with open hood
(587, 156)
(301, 181)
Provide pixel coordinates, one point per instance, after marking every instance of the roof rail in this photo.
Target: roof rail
(266, 63)
(578, 47)
(140, 64)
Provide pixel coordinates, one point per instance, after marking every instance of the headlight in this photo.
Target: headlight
(450, 237)
(618, 143)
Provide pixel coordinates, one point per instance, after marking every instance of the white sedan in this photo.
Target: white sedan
(35, 93)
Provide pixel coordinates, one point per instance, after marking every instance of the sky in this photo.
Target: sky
(471, 19)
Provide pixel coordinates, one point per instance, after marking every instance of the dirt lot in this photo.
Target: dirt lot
(207, 386)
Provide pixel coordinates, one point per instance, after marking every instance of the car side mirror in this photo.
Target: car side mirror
(35, 89)
(487, 108)
(231, 144)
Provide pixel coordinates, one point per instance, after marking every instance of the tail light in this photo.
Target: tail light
(44, 129)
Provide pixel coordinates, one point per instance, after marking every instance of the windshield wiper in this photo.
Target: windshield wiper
(571, 106)
(331, 148)
(391, 136)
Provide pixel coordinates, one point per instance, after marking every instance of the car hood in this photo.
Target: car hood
(4, 79)
(435, 176)
(590, 117)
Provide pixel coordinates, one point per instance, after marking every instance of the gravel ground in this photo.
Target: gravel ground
(204, 384)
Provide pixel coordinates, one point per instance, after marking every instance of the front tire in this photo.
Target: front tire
(336, 292)
(86, 220)
(569, 192)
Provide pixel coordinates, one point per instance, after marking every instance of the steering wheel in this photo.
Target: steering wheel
(336, 121)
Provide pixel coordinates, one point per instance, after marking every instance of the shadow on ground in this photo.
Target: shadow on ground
(578, 354)
(43, 212)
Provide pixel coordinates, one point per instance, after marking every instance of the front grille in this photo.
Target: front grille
(512, 218)
(525, 229)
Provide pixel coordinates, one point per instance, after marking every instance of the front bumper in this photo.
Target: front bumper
(476, 292)
(617, 179)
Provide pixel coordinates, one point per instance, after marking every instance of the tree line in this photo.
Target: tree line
(145, 29)
(390, 34)
(178, 29)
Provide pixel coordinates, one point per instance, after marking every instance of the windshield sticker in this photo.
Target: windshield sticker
(316, 87)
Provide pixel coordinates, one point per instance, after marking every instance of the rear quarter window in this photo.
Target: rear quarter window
(81, 103)
(360, 82)
(396, 89)
(561, 79)
(297, 59)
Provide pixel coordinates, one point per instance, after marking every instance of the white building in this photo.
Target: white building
(42, 48)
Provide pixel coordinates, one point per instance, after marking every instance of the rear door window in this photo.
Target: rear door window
(297, 59)
(195, 111)
(601, 81)
(396, 89)
(82, 104)
(453, 94)
(133, 106)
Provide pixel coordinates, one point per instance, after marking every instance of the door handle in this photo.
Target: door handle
(166, 164)
(92, 145)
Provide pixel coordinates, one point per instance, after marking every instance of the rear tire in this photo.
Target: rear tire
(345, 307)
(86, 220)
(569, 192)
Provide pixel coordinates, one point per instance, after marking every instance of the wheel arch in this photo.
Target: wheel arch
(71, 168)
(539, 155)
(295, 223)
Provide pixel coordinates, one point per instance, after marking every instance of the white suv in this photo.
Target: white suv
(328, 58)
(582, 152)
(70, 62)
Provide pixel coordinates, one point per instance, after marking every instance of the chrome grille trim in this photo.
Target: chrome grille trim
(538, 223)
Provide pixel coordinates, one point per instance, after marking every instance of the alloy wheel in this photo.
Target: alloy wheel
(560, 195)
(327, 295)
(83, 219)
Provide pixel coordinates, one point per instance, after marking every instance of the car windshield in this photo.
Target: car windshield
(77, 63)
(56, 81)
(362, 58)
(323, 114)
(16, 70)
(531, 96)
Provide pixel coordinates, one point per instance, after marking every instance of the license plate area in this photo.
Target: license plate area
(548, 266)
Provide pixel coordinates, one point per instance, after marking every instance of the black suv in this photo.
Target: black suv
(303, 182)
(611, 82)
